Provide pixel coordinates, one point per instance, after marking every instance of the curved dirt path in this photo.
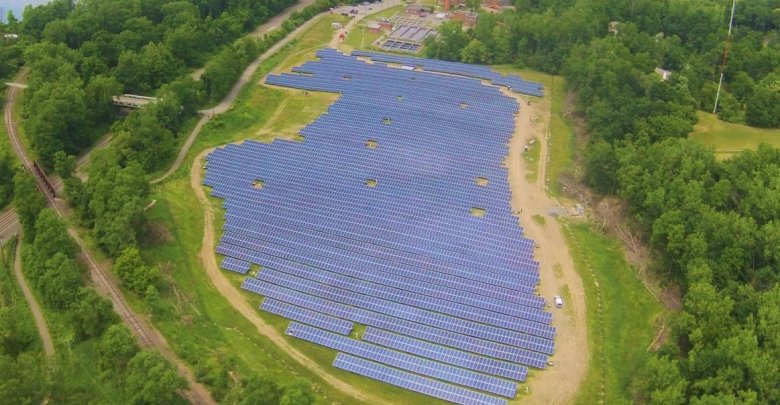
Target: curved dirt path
(40, 321)
(227, 102)
(558, 383)
(234, 297)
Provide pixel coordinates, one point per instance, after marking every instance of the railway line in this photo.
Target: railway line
(104, 283)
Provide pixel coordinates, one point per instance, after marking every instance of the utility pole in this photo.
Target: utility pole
(725, 55)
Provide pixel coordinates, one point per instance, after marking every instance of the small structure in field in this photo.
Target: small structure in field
(468, 18)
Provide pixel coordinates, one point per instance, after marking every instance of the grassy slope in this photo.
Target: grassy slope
(216, 327)
(728, 138)
(629, 313)
(307, 44)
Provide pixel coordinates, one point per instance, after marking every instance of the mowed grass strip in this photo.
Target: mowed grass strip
(531, 155)
(630, 315)
(727, 139)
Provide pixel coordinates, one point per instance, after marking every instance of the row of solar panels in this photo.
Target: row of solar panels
(400, 46)
(518, 276)
(450, 282)
(414, 382)
(532, 321)
(461, 340)
(460, 174)
(440, 242)
(355, 247)
(415, 364)
(482, 72)
(453, 207)
(235, 265)
(402, 182)
(397, 281)
(507, 281)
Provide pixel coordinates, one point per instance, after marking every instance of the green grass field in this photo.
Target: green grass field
(306, 45)
(728, 139)
(627, 323)
(531, 157)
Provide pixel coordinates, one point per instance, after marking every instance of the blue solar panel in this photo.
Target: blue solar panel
(403, 361)
(351, 288)
(515, 83)
(235, 265)
(402, 255)
(445, 354)
(413, 382)
(306, 316)
(417, 330)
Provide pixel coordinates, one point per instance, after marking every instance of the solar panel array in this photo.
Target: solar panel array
(233, 264)
(412, 33)
(414, 382)
(314, 318)
(514, 82)
(403, 361)
(368, 221)
(395, 45)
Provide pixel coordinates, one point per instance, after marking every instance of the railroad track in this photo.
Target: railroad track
(9, 221)
(97, 274)
(103, 282)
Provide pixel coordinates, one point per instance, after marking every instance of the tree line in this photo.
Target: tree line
(686, 37)
(713, 225)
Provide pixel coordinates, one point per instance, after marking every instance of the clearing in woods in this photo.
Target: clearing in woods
(728, 139)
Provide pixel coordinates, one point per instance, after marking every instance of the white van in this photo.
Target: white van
(558, 301)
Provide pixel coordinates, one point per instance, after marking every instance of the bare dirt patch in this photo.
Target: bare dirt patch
(558, 383)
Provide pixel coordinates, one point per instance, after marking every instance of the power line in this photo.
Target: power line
(725, 56)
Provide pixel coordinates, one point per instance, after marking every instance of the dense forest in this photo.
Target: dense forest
(79, 55)
(714, 226)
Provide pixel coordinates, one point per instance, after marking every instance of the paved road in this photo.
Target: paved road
(103, 281)
(40, 321)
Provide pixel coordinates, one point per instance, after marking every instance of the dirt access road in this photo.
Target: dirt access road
(559, 383)
(40, 321)
(236, 299)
